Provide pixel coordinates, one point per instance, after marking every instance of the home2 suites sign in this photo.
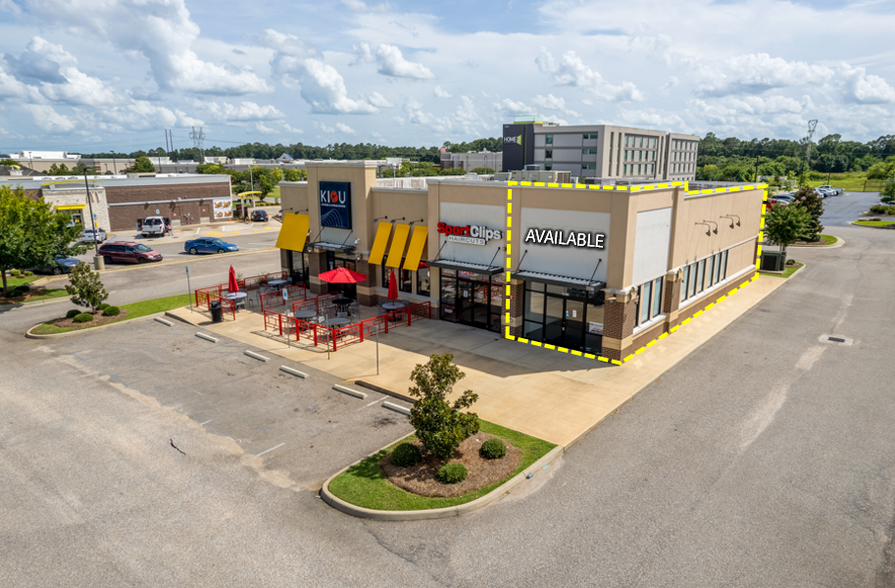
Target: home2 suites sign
(335, 205)
(469, 234)
(562, 238)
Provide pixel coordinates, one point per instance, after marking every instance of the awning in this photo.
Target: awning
(557, 280)
(415, 252)
(294, 232)
(340, 247)
(396, 250)
(71, 206)
(379, 244)
(465, 266)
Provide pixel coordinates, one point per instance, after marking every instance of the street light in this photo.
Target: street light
(97, 260)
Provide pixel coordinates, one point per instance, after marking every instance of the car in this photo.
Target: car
(823, 193)
(783, 199)
(93, 235)
(208, 245)
(128, 252)
(836, 191)
(260, 216)
(61, 265)
(279, 215)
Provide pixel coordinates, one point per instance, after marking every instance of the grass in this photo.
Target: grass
(48, 293)
(135, 310)
(790, 270)
(850, 183)
(13, 282)
(365, 484)
(879, 223)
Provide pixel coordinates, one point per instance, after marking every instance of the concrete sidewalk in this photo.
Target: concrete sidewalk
(551, 395)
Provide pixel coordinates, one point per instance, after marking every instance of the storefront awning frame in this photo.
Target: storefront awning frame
(465, 266)
(557, 280)
(339, 247)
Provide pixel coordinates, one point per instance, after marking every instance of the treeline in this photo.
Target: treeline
(302, 151)
(733, 159)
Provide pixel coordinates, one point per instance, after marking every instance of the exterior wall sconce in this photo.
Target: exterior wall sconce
(731, 217)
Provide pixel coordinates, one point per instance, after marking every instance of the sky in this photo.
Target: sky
(90, 76)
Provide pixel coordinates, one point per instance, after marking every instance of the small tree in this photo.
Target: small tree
(887, 194)
(484, 171)
(787, 224)
(810, 201)
(440, 426)
(86, 288)
(142, 165)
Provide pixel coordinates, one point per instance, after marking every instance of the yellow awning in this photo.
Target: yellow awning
(294, 232)
(378, 250)
(396, 250)
(417, 243)
(71, 207)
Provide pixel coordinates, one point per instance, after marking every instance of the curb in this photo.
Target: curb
(434, 513)
(349, 391)
(294, 372)
(253, 355)
(30, 335)
(396, 408)
(382, 390)
(206, 337)
(839, 243)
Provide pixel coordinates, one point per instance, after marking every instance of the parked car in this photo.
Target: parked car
(61, 265)
(91, 235)
(783, 199)
(128, 252)
(837, 191)
(260, 216)
(823, 193)
(208, 245)
(153, 225)
(279, 215)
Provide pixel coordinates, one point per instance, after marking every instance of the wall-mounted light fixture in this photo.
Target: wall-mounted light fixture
(715, 228)
(709, 230)
(731, 217)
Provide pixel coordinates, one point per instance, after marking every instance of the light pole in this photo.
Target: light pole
(97, 260)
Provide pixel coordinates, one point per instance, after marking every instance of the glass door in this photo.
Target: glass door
(573, 324)
(465, 297)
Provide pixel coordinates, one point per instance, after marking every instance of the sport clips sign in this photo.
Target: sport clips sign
(335, 205)
(470, 234)
(566, 238)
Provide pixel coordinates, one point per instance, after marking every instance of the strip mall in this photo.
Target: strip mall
(594, 269)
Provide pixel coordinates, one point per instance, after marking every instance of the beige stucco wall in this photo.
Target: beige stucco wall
(70, 197)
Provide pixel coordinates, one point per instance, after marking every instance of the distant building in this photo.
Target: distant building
(471, 160)
(600, 152)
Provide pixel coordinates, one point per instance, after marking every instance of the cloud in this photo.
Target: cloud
(513, 107)
(439, 93)
(377, 99)
(359, 6)
(550, 102)
(159, 30)
(46, 118)
(244, 112)
(392, 63)
(414, 111)
(345, 128)
(754, 74)
(572, 71)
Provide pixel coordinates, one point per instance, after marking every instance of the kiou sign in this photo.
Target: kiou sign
(566, 238)
(335, 205)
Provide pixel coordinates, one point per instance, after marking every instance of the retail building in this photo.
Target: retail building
(594, 269)
(600, 152)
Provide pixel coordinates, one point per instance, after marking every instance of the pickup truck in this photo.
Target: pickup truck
(153, 226)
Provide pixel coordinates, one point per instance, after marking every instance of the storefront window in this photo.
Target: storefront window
(644, 303)
(422, 280)
(299, 267)
(657, 298)
(565, 317)
(700, 276)
(406, 283)
(684, 280)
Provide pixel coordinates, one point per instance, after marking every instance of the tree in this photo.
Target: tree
(9, 162)
(787, 224)
(452, 171)
(31, 233)
(887, 194)
(440, 426)
(86, 289)
(485, 171)
(808, 199)
(142, 165)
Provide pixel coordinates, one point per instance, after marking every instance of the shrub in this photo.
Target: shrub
(493, 448)
(878, 209)
(29, 274)
(406, 454)
(111, 311)
(84, 317)
(15, 273)
(72, 313)
(790, 262)
(451, 473)
(103, 306)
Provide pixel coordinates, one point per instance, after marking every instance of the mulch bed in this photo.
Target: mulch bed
(98, 319)
(420, 479)
(33, 293)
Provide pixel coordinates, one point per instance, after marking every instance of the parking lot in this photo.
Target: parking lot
(299, 427)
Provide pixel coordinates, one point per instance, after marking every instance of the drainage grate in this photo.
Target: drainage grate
(835, 339)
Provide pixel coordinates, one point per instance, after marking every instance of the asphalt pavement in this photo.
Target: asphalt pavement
(761, 460)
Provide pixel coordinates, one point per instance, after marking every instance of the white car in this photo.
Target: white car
(93, 236)
(829, 188)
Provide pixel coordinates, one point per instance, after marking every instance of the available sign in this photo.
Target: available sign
(335, 205)
(566, 238)
(470, 234)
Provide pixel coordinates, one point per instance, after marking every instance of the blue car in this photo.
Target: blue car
(208, 245)
(61, 265)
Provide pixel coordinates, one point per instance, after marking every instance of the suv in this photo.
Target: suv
(128, 252)
(260, 216)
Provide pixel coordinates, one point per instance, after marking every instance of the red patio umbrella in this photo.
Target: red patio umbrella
(392, 287)
(232, 284)
(342, 275)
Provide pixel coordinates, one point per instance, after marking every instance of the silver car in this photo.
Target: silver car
(93, 236)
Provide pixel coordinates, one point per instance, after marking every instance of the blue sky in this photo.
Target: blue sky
(96, 75)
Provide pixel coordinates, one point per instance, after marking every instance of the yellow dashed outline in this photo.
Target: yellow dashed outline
(660, 186)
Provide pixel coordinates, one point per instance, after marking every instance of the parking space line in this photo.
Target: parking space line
(372, 403)
(271, 449)
(206, 422)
